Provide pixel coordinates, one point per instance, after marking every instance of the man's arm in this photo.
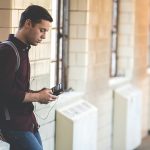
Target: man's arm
(44, 96)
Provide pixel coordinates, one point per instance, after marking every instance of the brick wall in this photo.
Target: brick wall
(78, 44)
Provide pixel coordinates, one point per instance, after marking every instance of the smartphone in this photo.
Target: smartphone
(58, 89)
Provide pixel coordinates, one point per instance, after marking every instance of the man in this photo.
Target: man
(17, 121)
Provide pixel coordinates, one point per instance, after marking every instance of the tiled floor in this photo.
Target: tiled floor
(145, 144)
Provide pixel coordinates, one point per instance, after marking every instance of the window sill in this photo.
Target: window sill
(116, 81)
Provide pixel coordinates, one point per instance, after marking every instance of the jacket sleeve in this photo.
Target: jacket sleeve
(9, 93)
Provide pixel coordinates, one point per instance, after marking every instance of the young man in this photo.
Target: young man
(17, 121)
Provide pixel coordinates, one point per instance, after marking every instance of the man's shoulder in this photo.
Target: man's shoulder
(5, 48)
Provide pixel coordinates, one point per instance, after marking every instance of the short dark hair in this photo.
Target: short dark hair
(35, 13)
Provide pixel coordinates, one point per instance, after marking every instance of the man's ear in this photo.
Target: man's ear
(28, 23)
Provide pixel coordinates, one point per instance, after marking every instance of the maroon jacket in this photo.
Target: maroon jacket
(13, 86)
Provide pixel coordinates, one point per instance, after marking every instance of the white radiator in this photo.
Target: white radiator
(127, 118)
(76, 127)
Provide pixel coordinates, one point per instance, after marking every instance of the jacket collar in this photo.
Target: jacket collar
(19, 44)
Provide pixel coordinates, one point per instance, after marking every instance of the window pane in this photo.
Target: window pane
(114, 38)
(53, 44)
(113, 64)
(54, 13)
(53, 74)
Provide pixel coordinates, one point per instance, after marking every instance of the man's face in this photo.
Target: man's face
(37, 32)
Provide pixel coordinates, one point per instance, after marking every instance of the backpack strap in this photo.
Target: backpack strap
(6, 112)
(16, 52)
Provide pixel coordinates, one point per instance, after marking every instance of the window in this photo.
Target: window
(114, 39)
(59, 42)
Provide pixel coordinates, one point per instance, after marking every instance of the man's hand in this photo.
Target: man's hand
(46, 96)
(43, 96)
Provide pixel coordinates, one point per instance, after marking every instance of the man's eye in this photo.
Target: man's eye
(42, 30)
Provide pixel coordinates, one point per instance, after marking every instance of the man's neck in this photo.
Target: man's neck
(19, 35)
